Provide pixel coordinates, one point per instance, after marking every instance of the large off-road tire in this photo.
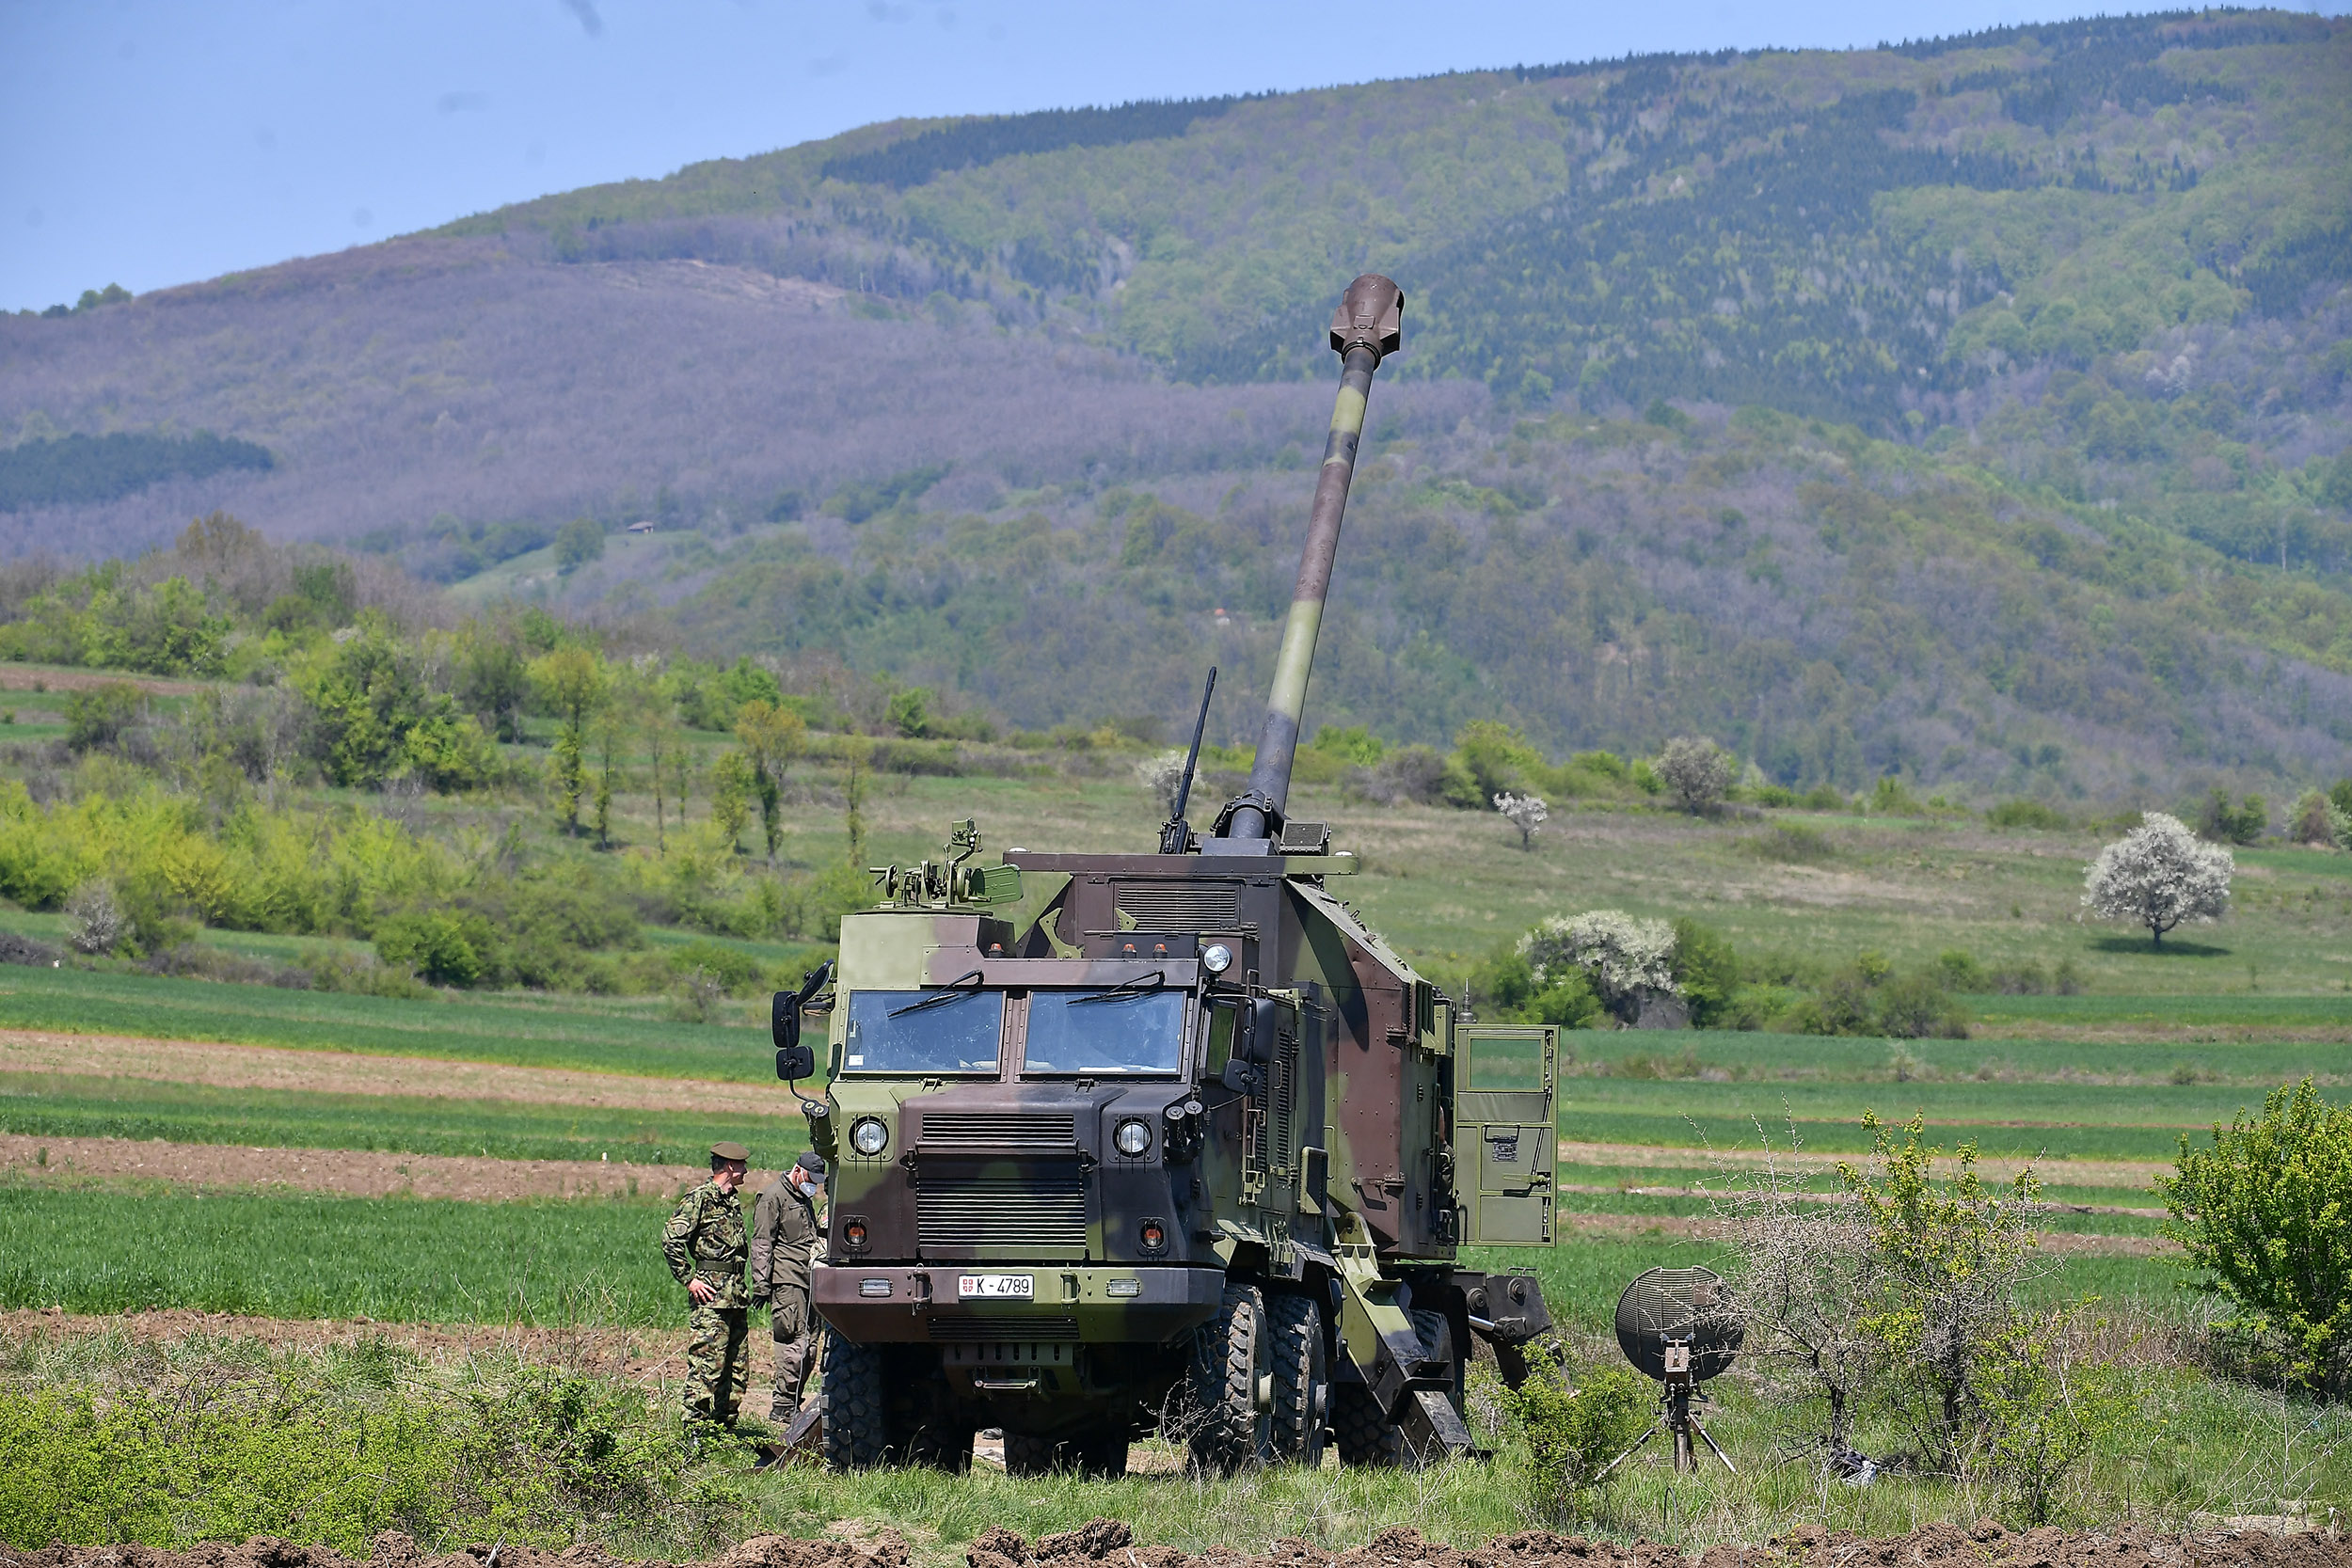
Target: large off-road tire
(857, 1415)
(1025, 1455)
(1302, 1380)
(1097, 1456)
(1366, 1435)
(924, 1425)
(1230, 1418)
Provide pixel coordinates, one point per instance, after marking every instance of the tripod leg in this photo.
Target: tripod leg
(1637, 1447)
(1712, 1444)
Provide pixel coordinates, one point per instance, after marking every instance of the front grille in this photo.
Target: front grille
(1041, 1212)
(1160, 906)
(988, 1131)
(1000, 1331)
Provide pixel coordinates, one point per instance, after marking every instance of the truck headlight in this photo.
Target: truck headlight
(1216, 958)
(1132, 1138)
(868, 1136)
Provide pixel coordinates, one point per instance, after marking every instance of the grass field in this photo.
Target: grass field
(523, 1031)
(126, 1246)
(41, 1105)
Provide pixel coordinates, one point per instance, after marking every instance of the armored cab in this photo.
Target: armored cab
(1192, 1153)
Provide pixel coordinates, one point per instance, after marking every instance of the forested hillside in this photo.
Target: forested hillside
(1973, 409)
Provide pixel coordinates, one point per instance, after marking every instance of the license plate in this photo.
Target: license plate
(971, 1286)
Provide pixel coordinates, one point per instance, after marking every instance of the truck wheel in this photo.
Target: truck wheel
(1229, 1387)
(1097, 1456)
(1302, 1381)
(1367, 1438)
(1025, 1455)
(857, 1429)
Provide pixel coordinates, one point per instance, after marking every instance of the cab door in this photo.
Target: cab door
(1505, 1137)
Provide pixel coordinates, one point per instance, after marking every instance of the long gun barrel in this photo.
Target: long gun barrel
(1367, 326)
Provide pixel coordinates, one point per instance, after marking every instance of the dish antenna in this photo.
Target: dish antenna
(1674, 1326)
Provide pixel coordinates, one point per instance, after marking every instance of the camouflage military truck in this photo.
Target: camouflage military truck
(1193, 1153)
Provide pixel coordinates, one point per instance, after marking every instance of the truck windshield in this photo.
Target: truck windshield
(1105, 1031)
(929, 1031)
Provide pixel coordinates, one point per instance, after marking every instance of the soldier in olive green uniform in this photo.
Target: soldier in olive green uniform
(783, 1239)
(705, 1247)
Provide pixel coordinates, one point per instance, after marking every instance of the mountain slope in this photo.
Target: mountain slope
(2042, 334)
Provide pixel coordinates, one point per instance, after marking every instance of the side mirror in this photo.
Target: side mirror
(1239, 1077)
(1264, 1018)
(793, 1059)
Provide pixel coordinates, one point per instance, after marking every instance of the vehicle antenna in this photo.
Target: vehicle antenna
(1177, 835)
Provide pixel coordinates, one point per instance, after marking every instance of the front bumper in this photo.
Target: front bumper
(898, 1303)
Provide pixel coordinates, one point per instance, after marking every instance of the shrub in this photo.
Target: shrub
(2263, 1213)
(1916, 1007)
(2024, 814)
(1697, 770)
(2157, 876)
(2219, 822)
(578, 542)
(437, 946)
(1626, 959)
(1497, 759)
(1572, 1433)
(734, 972)
(94, 923)
(2318, 821)
(95, 717)
(1506, 991)
(1705, 971)
(1960, 970)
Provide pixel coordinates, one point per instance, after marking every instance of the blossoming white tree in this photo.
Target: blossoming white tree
(1697, 770)
(1627, 958)
(1527, 812)
(2159, 876)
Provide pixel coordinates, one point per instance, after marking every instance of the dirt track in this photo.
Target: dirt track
(358, 1173)
(268, 1067)
(1110, 1542)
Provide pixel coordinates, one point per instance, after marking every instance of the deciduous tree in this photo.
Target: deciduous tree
(2159, 876)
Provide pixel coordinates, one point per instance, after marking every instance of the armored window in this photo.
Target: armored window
(1101, 1033)
(931, 1031)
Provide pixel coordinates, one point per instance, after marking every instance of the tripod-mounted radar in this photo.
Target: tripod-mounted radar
(1676, 1327)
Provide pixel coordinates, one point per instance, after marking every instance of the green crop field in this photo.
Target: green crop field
(525, 1032)
(2060, 1120)
(47, 1106)
(121, 1248)
(1863, 1058)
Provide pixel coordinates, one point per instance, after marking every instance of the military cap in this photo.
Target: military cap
(730, 1151)
(811, 1162)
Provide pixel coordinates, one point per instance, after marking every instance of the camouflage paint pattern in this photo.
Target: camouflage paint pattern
(1025, 1273)
(718, 1362)
(705, 1238)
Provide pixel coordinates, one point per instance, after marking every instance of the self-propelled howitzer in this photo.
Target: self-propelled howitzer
(1193, 1153)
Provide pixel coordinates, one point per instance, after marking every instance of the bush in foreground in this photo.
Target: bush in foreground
(338, 1447)
(2267, 1213)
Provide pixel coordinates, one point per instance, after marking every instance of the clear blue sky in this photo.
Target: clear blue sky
(151, 143)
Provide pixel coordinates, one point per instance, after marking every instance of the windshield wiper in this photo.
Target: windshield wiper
(1125, 988)
(940, 998)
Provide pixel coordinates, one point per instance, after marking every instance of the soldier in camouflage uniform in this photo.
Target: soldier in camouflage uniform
(783, 1239)
(706, 1246)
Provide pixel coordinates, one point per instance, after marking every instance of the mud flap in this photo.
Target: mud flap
(803, 1437)
(1433, 1428)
